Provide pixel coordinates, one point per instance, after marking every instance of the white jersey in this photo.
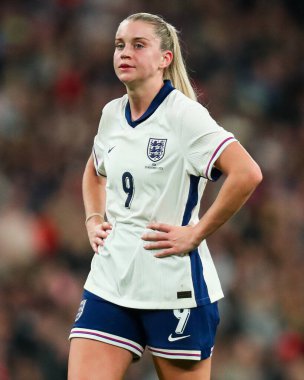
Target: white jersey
(156, 169)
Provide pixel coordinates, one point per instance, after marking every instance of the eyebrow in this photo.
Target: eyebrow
(135, 38)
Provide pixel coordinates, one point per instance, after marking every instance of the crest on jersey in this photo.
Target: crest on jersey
(156, 149)
(80, 310)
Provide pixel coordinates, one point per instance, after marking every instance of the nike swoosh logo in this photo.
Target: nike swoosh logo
(172, 339)
(111, 149)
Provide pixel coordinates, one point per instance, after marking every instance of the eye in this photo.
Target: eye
(138, 45)
(119, 46)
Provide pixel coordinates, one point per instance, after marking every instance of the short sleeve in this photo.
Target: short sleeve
(98, 151)
(203, 141)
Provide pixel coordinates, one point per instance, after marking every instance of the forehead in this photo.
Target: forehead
(136, 29)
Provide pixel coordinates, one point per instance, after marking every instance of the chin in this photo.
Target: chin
(127, 81)
(124, 77)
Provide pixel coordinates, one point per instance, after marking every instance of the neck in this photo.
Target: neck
(140, 97)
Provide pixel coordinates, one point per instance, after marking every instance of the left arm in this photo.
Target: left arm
(242, 177)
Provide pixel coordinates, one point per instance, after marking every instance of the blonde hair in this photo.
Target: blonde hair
(169, 40)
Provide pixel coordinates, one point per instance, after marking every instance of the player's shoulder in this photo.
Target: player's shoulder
(184, 107)
(109, 113)
(113, 106)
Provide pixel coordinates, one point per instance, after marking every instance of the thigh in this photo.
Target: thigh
(93, 360)
(168, 369)
(103, 333)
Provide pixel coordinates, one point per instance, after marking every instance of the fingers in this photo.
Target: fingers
(95, 247)
(163, 227)
(158, 245)
(168, 252)
(168, 249)
(154, 236)
(168, 240)
(160, 237)
(98, 234)
(161, 233)
(98, 241)
(105, 226)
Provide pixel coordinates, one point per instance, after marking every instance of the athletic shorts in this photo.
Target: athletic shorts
(173, 334)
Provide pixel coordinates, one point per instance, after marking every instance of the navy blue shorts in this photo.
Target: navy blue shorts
(173, 334)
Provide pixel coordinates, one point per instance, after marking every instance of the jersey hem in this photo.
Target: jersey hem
(155, 305)
(207, 300)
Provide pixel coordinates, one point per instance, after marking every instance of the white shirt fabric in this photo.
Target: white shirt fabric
(156, 171)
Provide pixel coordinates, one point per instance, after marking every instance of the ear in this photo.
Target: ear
(166, 59)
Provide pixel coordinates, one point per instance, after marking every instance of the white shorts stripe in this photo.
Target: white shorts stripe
(101, 336)
(176, 354)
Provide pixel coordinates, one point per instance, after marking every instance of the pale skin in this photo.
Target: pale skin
(139, 63)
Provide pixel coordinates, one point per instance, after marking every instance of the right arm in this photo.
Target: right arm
(94, 198)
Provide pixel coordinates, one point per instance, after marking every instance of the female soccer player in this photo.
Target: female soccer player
(152, 281)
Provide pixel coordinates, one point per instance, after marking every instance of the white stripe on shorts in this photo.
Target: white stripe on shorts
(176, 354)
(101, 336)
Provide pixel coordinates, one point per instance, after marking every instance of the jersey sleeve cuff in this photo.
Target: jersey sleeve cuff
(211, 172)
(96, 164)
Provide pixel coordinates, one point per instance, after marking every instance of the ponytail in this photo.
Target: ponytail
(177, 72)
(167, 33)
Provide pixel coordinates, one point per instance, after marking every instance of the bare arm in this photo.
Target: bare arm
(93, 190)
(242, 177)
(94, 198)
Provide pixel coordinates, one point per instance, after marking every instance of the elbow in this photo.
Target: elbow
(255, 176)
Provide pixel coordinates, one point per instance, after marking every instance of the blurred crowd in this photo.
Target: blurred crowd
(245, 58)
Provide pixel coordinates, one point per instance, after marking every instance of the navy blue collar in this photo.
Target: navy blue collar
(156, 102)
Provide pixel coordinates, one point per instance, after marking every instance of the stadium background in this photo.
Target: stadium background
(246, 60)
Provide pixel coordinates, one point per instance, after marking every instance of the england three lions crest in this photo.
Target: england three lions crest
(80, 310)
(156, 149)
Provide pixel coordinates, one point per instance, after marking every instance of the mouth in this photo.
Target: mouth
(125, 66)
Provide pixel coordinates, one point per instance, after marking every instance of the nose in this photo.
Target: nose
(124, 56)
(126, 52)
